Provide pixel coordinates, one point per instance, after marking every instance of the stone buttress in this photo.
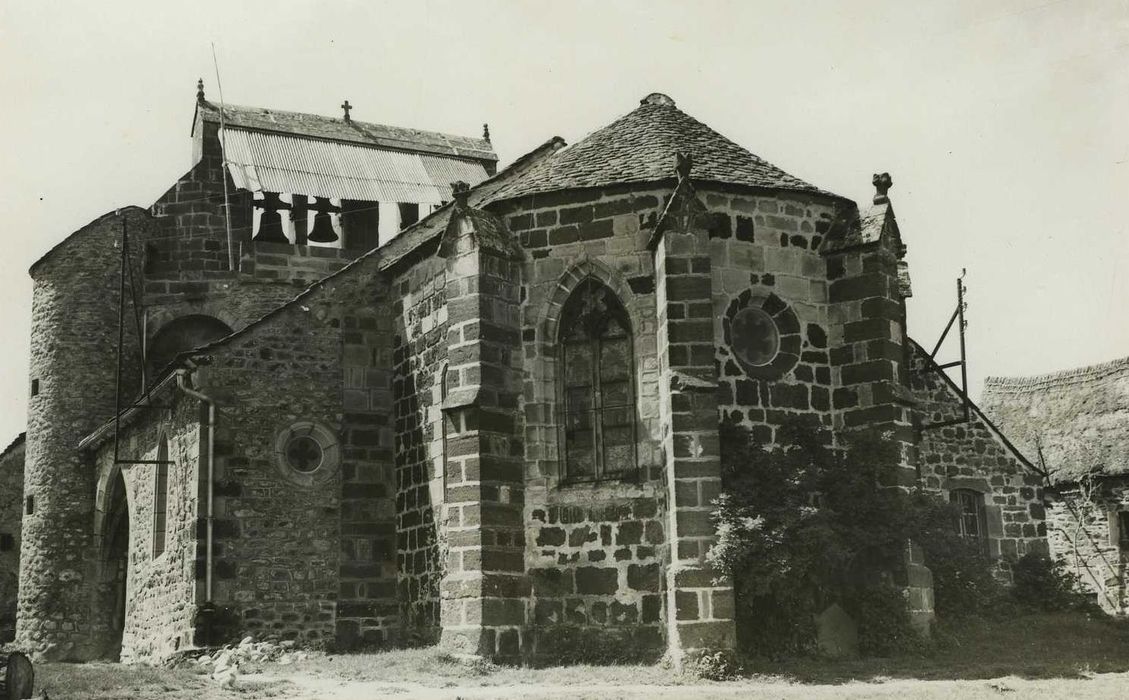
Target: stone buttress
(700, 613)
(485, 591)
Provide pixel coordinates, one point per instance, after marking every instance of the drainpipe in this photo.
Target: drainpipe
(182, 384)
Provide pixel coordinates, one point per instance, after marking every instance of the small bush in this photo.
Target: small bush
(713, 666)
(884, 627)
(1042, 584)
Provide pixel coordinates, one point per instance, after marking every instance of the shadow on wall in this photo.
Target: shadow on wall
(420, 554)
(9, 587)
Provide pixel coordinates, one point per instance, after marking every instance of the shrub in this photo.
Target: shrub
(802, 525)
(713, 666)
(1042, 584)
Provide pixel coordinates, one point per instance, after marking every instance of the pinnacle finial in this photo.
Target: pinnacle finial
(461, 191)
(200, 90)
(882, 183)
(486, 132)
(657, 98)
(683, 163)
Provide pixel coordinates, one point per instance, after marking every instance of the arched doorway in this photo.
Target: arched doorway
(116, 560)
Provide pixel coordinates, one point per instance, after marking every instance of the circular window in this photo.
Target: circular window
(762, 337)
(307, 453)
(756, 339)
(304, 453)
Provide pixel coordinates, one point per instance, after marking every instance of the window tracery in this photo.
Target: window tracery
(598, 393)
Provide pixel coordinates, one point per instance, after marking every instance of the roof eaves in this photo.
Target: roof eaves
(243, 117)
(127, 415)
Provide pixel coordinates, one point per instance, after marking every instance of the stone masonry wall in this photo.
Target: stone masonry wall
(419, 355)
(186, 266)
(74, 338)
(1085, 534)
(11, 510)
(278, 540)
(597, 581)
(367, 608)
(765, 250)
(594, 551)
(972, 456)
(310, 558)
(161, 591)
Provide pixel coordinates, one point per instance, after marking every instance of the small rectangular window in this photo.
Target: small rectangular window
(35, 387)
(7, 542)
(29, 505)
(161, 499)
(972, 517)
(1123, 528)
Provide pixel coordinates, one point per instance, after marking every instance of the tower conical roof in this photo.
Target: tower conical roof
(641, 147)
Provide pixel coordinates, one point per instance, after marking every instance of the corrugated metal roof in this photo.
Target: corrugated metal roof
(260, 161)
(444, 171)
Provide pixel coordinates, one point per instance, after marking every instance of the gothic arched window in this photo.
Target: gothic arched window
(597, 385)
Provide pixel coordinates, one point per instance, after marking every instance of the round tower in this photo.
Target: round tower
(73, 369)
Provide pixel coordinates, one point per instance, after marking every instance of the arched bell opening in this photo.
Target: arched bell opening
(178, 335)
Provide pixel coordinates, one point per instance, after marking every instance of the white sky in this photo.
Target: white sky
(1005, 125)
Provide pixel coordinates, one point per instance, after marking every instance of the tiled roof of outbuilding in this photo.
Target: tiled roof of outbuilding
(1079, 418)
(336, 129)
(641, 147)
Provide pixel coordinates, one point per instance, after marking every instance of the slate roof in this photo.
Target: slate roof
(1079, 417)
(641, 147)
(337, 129)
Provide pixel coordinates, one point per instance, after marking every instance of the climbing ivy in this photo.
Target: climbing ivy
(803, 524)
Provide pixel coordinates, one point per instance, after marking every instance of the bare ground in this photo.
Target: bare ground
(1065, 656)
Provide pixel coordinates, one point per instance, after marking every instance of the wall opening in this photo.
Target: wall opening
(116, 569)
(178, 335)
(161, 498)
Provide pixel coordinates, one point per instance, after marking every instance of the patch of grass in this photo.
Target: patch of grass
(1053, 645)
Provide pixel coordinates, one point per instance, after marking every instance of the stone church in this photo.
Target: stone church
(353, 385)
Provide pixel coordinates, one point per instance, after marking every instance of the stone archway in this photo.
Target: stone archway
(114, 562)
(543, 402)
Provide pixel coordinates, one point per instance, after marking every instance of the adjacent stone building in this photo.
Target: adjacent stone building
(1074, 425)
(11, 508)
(494, 427)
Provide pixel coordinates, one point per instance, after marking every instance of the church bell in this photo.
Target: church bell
(323, 226)
(270, 223)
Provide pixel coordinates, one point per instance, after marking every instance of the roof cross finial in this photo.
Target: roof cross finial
(486, 132)
(346, 106)
(882, 183)
(200, 90)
